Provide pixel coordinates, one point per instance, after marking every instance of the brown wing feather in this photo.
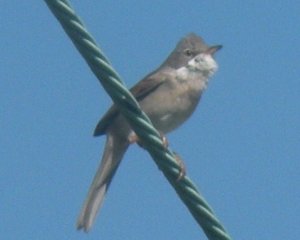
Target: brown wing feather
(148, 84)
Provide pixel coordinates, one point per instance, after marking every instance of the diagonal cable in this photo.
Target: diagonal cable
(138, 120)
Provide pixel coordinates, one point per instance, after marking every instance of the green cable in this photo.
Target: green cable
(139, 121)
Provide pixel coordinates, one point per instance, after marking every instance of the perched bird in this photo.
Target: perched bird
(169, 96)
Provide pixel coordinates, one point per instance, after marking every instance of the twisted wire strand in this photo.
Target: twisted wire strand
(138, 120)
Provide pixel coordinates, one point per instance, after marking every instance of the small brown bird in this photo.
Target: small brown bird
(169, 96)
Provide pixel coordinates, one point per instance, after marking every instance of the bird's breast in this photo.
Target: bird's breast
(173, 103)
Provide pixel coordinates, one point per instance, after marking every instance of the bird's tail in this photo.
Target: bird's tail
(112, 156)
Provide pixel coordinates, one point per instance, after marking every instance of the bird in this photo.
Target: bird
(168, 95)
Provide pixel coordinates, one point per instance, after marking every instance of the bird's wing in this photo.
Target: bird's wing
(142, 89)
(147, 85)
(106, 120)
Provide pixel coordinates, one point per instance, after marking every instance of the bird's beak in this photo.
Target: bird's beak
(213, 49)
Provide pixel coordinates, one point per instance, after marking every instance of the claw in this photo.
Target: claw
(182, 169)
(164, 140)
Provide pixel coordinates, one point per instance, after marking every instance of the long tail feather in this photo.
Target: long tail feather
(112, 156)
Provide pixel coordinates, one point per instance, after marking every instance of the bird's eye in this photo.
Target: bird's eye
(188, 52)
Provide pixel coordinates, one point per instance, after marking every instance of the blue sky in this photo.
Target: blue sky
(241, 146)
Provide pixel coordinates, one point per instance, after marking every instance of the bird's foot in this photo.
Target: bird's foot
(182, 169)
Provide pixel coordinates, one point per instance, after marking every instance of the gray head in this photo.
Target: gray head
(188, 48)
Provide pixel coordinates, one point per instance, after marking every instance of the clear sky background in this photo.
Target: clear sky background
(241, 146)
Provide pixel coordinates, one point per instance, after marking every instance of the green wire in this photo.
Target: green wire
(141, 124)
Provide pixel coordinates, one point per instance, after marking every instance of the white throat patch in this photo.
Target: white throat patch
(203, 63)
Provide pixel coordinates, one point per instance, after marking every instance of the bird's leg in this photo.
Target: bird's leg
(164, 140)
(133, 138)
(182, 169)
